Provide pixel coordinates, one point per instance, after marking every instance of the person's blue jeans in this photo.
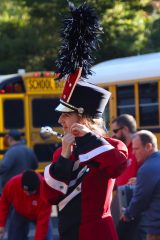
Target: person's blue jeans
(18, 228)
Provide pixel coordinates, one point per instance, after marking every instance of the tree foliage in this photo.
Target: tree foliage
(29, 31)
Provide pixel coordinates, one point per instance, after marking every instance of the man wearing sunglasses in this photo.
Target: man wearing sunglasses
(123, 128)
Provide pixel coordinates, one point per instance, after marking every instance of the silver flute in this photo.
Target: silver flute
(47, 132)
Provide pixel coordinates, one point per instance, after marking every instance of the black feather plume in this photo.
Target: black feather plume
(80, 37)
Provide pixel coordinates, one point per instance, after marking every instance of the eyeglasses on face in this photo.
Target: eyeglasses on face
(116, 130)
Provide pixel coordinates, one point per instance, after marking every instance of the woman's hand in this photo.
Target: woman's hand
(79, 130)
(67, 142)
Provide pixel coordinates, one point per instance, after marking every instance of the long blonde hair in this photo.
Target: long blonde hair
(96, 125)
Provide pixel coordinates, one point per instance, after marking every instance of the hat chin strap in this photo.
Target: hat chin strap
(79, 110)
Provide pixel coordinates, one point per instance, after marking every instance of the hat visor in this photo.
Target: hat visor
(62, 108)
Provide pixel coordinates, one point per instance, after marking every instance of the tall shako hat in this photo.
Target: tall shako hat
(80, 37)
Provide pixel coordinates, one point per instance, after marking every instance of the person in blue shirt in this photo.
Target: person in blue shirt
(17, 158)
(145, 202)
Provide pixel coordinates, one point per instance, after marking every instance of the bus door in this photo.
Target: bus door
(41, 113)
(43, 94)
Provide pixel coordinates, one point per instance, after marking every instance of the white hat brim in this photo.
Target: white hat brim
(62, 108)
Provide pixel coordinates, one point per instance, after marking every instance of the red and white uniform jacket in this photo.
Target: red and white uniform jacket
(82, 187)
(32, 207)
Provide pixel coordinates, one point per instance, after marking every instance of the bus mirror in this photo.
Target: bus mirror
(21, 71)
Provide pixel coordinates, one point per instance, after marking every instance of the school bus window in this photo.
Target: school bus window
(43, 112)
(14, 87)
(18, 88)
(13, 110)
(148, 100)
(44, 152)
(125, 100)
(9, 88)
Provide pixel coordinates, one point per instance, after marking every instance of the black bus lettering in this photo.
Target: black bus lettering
(43, 84)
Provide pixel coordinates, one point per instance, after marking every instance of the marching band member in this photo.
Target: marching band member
(81, 177)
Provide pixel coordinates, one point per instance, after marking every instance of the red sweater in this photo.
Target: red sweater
(130, 171)
(31, 207)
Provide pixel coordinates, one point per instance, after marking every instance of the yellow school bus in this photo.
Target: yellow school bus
(135, 86)
(27, 103)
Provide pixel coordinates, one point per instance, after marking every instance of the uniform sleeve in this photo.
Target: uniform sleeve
(4, 206)
(110, 154)
(42, 222)
(56, 178)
